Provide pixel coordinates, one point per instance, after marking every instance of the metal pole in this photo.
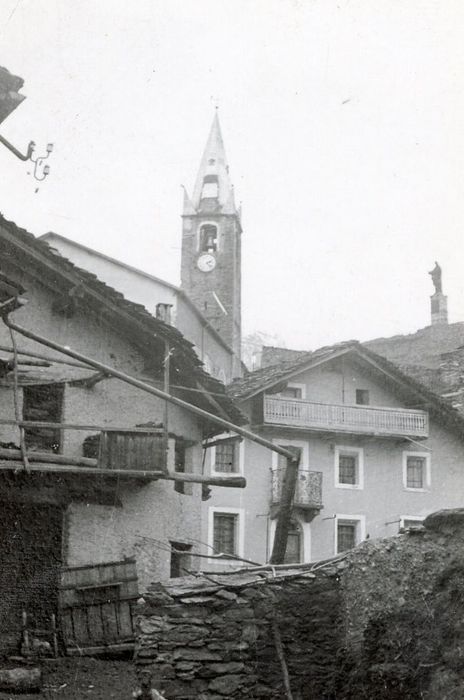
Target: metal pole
(18, 154)
(152, 390)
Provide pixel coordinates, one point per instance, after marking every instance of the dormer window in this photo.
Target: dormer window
(208, 238)
(210, 189)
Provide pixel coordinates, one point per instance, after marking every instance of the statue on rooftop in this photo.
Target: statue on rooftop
(436, 278)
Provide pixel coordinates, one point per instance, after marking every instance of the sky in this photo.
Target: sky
(343, 125)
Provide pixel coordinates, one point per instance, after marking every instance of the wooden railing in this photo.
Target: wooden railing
(345, 418)
(308, 490)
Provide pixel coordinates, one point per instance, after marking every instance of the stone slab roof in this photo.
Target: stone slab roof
(187, 368)
(9, 98)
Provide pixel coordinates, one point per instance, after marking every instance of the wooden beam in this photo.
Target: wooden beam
(285, 511)
(49, 462)
(192, 408)
(78, 426)
(80, 471)
(50, 457)
(231, 481)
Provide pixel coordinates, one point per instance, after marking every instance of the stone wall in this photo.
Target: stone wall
(210, 640)
(384, 621)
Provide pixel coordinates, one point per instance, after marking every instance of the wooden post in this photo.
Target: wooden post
(167, 367)
(285, 510)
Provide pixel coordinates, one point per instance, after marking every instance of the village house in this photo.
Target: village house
(88, 515)
(379, 451)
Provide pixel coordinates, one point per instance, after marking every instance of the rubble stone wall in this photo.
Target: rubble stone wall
(384, 621)
(208, 641)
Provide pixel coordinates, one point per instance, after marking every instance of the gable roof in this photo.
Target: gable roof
(146, 331)
(52, 236)
(268, 377)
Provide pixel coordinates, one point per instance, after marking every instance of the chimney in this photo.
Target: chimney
(438, 301)
(163, 312)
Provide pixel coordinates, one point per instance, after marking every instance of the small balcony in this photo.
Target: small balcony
(308, 489)
(367, 420)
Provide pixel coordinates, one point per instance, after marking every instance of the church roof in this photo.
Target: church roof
(214, 168)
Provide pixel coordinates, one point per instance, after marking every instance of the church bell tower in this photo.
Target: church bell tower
(211, 250)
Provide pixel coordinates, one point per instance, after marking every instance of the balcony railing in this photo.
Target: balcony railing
(344, 418)
(308, 489)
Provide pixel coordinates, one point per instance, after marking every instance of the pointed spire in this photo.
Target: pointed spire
(214, 172)
(188, 209)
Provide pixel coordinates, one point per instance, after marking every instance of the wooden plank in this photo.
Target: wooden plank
(35, 456)
(110, 625)
(80, 626)
(66, 624)
(81, 567)
(79, 426)
(97, 632)
(102, 649)
(125, 619)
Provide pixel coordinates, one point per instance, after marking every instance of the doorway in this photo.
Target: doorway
(30, 561)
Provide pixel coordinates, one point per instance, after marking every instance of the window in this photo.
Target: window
(225, 457)
(349, 467)
(362, 397)
(210, 189)
(416, 471)
(227, 454)
(349, 531)
(346, 535)
(43, 402)
(293, 391)
(282, 461)
(225, 533)
(411, 522)
(208, 238)
(180, 559)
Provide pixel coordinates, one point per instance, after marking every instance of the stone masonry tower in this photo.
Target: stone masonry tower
(211, 246)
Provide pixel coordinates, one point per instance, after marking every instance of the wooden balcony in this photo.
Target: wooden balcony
(308, 490)
(117, 452)
(132, 451)
(368, 420)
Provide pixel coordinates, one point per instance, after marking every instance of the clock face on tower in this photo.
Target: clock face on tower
(206, 262)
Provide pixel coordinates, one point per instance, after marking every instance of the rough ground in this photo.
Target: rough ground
(82, 678)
